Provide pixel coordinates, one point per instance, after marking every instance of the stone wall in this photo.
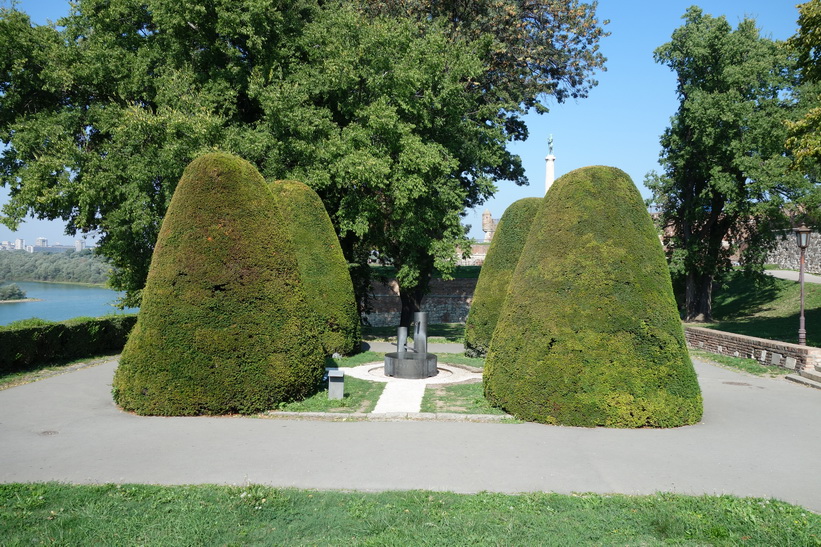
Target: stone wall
(769, 352)
(447, 302)
(786, 254)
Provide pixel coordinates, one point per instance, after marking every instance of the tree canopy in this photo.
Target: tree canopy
(726, 170)
(396, 113)
(804, 136)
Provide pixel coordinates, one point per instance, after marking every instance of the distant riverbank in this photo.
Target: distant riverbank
(20, 300)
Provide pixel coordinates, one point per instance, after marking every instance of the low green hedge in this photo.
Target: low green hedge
(23, 347)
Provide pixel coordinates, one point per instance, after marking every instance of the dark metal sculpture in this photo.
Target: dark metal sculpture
(414, 364)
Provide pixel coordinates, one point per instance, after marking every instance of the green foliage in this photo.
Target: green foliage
(589, 334)
(12, 291)
(224, 325)
(34, 342)
(803, 134)
(70, 267)
(322, 266)
(399, 120)
(726, 175)
(500, 262)
(255, 514)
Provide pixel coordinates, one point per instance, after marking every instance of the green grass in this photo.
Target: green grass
(437, 332)
(457, 399)
(459, 359)
(766, 308)
(359, 396)
(260, 515)
(750, 366)
(38, 372)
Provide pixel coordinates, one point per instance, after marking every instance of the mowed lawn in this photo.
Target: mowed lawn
(33, 514)
(766, 308)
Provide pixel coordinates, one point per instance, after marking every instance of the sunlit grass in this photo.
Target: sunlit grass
(259, 515)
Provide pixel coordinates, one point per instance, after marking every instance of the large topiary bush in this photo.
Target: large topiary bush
(224, 326)
(323, 267)
(589, 334)
(501, 260)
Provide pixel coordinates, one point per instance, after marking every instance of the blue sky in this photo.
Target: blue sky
(619, 124)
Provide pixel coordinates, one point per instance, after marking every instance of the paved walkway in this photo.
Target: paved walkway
(793, 276)
(759, 437)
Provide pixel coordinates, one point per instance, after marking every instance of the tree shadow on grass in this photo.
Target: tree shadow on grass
(784, 329)
(744, 295)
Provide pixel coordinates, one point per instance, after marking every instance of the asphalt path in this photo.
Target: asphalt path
(793, 275)
(759, 437)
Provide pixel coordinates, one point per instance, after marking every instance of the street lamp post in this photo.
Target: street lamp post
(802, 238)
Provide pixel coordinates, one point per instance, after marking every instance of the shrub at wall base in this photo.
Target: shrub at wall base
(323, 267)
(501, 260)
(224, 326)
(589, 334)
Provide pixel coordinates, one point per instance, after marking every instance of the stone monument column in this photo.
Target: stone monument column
(550, 165)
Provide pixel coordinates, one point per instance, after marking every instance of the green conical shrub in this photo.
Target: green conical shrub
(224, 326)
(494, 278)
(589, 334)
(323, 267)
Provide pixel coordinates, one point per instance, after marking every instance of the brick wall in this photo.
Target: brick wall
(447, 302)
(770, 352)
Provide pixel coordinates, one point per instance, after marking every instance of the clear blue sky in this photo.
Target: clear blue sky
(619, 124)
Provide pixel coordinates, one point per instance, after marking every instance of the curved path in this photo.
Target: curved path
(759, 437)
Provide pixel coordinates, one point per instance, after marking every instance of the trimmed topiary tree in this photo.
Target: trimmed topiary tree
(323, 267)
(491, 288)
(224, 326)
(589, 334)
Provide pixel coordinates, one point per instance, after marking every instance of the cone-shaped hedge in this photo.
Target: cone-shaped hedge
(501, 260)
(589, 334)
(224, 326)
(324, 270)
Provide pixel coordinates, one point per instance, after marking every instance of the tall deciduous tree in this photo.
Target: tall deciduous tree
(804, 135)
(726, 175)
(399, 121)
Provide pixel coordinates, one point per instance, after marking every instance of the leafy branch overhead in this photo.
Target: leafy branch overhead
(397, 114)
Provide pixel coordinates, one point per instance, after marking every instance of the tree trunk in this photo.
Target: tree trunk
(411, 302)
(698, 298)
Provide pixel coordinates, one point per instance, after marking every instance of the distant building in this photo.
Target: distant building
(489, 225)
(20, 244)
(41, 242)
(79, 245)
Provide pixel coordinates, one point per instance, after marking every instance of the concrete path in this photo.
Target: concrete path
(759, 437)
(793, 276)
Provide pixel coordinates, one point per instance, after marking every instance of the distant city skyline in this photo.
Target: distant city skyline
(619, 124)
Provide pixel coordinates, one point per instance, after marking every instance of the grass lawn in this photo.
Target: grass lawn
(766, 308)
(38, 372)
(258, 515)
(362, 395)
(750, 366)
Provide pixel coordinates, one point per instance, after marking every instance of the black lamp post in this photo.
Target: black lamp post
(802, 238)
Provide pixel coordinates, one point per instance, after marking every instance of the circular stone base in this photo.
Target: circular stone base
(412, 366)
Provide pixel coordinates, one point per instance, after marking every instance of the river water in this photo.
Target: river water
(61, 301)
